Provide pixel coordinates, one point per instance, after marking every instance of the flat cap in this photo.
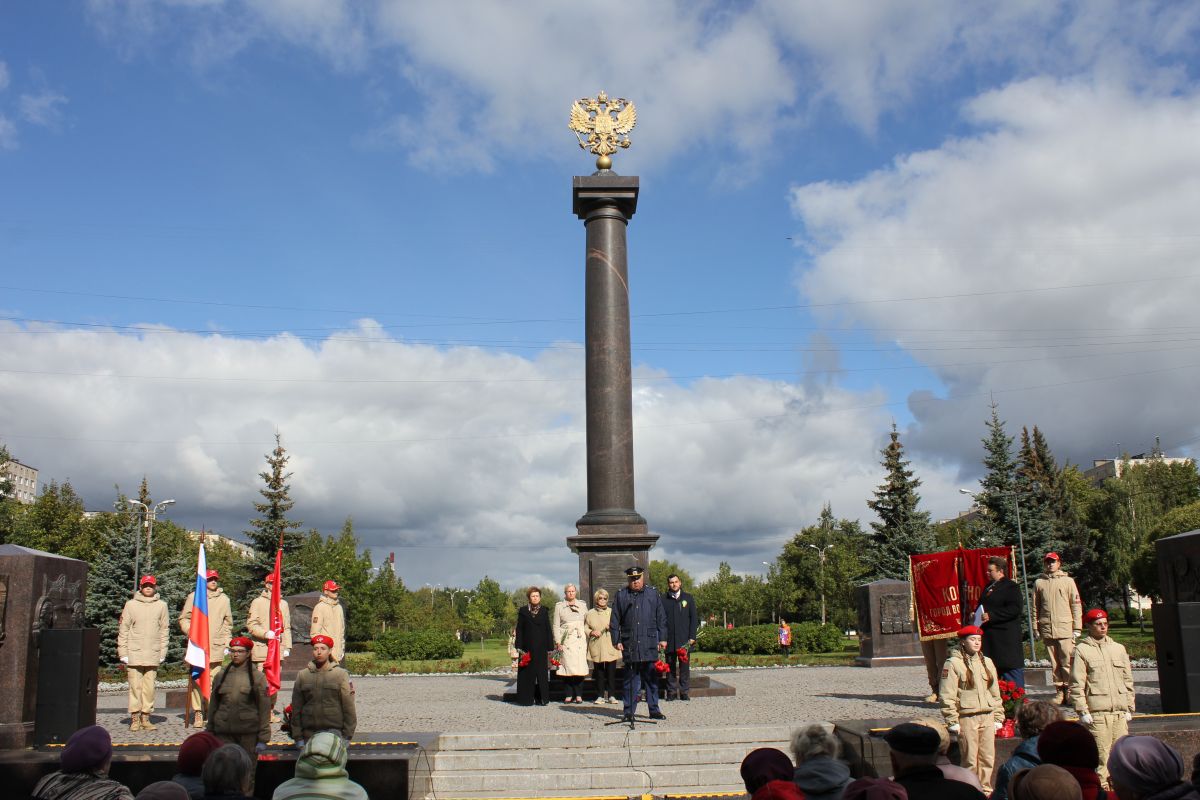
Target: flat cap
(913, 739)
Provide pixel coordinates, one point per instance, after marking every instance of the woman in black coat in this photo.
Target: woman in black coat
(1001, 622)
(535, 638)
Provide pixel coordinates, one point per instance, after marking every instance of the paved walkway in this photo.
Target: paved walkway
(462, 704)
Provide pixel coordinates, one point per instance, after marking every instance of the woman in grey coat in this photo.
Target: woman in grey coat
(820, 773)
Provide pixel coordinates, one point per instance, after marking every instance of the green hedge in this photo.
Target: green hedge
(417, 645)
(807, 637)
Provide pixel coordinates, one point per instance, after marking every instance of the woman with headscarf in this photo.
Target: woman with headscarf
(1143, 768)
(970, 692)
(83, 773)
(569, 634)
(820, 773)
(1070, 745)
(601, 651)
(767, 773)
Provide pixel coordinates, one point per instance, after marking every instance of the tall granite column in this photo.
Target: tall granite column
(612, 535)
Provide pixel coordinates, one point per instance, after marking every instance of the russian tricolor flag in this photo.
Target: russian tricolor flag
(198, 638)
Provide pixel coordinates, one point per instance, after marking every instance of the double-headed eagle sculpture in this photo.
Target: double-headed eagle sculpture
(602, 125)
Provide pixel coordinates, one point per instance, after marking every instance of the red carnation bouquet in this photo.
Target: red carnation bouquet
(1013, 697)
(661, 666)
(524, 660)
(682, 655)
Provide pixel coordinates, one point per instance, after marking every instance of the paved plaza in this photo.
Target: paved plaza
(473, 704)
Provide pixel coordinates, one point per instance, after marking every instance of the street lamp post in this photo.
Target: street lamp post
(148, 517)
(1024, 571)
(821, 551)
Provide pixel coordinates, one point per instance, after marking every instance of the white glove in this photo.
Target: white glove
(270, 635)
(162, 660)
(999, 725)
(226, 651)
(1085, 718)
(287, 653)
(955, 728)
(1075, 634)
(125, 660)
(1128, 716)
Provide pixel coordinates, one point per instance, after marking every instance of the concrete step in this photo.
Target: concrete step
(549, 759)
(619, 781)
(617, 737)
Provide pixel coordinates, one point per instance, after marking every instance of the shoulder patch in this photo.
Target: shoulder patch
(946, 673)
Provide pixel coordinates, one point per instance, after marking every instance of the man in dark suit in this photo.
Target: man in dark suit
(1001, 622)
(681, 633)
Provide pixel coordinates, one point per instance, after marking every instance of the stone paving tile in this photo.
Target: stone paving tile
(473, 704)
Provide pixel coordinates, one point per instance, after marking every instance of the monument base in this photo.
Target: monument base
(889, 661)
(606, 551)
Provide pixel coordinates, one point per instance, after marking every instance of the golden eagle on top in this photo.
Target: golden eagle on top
(602, 125)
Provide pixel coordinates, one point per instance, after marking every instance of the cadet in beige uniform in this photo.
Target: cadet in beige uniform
(970, 692)
(1057, 620)
(220, 628)
(142, 647)
(258, 623)
(1102, 685)
(328, 619)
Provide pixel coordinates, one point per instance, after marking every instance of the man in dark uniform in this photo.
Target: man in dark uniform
(1001, 622)
(639, 631)
(681, 634)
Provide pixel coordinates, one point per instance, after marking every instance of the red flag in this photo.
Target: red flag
(271, 668)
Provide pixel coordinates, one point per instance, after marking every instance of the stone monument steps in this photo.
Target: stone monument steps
(612, 761)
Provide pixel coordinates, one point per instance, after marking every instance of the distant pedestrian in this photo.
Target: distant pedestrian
(601, 652)
(1057, 620)
(1102, 685)
(142, 648)
(820, 773)
(785, 638)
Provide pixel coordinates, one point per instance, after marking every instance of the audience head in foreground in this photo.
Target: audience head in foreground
(767, 773)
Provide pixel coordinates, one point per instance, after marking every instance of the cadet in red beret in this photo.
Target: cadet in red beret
(142, 647)
(1057, 612)
(1102, 685)
(220, 628)
(322, 698)
(240, 710)
(329, 618)
(970, 692)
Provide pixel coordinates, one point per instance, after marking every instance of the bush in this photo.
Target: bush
(807, 637)
(417, 645)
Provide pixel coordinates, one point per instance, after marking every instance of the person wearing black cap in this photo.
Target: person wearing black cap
(639, 631)
(913, 750)
(84, 770)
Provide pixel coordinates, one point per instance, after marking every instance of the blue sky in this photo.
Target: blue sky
(351, 223)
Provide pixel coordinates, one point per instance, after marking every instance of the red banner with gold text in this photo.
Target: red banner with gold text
(939, 581)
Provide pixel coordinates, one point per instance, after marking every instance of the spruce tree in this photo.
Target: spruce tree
(996, 495)
(111, 578)
(902, 530)
(272, 525)
(1036, 480)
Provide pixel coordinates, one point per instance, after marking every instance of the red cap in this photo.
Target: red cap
(969, 630)
(1051, 557)
(147, 579)
(269, 577)
(212, 575)
(331, 586)
(1093, 615)
(321, 638)
(241, 641)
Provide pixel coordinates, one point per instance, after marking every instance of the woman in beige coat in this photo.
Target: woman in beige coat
(601, 653)
(569, 636)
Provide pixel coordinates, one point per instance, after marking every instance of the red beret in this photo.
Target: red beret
(147, 579)
(331, 586)
(212, 575)
(969, 630)
(241, 641)
(1051, 557)
(322, 639)
(1093, 615)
